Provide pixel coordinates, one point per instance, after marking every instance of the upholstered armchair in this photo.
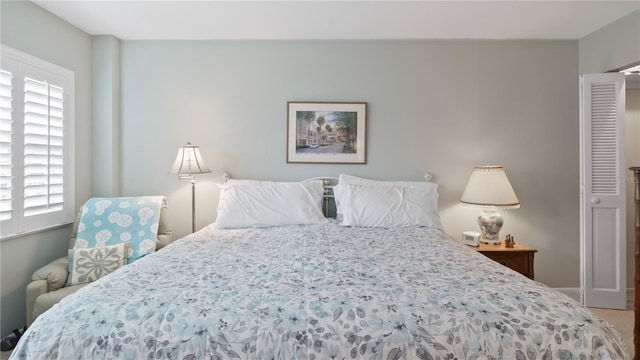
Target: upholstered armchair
(48, 283)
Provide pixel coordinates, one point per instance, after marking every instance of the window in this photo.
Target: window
(36, 144)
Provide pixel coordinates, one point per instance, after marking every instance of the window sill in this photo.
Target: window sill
(32, 232)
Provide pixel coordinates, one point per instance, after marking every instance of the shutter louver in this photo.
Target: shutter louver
(604, 169)
(43, 147)
(6, 133)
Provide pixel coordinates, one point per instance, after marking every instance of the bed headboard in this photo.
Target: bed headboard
(328, 200)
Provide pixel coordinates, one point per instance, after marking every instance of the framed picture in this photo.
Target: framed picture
(326, 132)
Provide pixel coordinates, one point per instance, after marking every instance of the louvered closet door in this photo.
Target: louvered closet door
(603, 201)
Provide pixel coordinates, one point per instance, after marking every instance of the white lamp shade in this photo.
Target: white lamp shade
(189, 161)
(489, 187)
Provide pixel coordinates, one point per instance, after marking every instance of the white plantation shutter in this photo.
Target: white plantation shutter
(43, 147)
(36, 171)
(6, 178)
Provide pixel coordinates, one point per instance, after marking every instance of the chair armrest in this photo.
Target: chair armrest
(55, 274)
(34, 289)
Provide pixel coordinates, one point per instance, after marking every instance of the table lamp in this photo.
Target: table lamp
(490, 189)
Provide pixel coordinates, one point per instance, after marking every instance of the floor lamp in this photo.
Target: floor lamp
(188, 163)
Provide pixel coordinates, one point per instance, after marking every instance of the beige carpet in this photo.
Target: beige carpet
(622, 320)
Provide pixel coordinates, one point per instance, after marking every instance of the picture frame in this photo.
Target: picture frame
(326, 132)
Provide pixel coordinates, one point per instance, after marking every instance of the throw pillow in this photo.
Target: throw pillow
(90, 264)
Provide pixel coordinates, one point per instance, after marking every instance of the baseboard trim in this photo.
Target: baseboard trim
(573, 293)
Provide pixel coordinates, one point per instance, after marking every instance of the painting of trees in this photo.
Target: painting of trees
(347, 126)
(326, 132)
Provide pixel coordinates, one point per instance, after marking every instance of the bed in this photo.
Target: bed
(319, 290)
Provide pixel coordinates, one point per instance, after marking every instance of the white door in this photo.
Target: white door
(602, 198)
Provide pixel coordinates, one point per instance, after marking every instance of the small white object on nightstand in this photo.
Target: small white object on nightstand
(471, 238)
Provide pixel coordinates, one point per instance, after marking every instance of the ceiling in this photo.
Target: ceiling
(264, 19)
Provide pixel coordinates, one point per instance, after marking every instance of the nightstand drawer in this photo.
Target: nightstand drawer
(517, 262)
(519, 258)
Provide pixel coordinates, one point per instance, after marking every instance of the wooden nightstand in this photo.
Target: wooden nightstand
(518, 258)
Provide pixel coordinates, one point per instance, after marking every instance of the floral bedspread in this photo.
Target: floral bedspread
(318, 292)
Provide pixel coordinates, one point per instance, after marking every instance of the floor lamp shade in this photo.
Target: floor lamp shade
(189, 162)
(490, 189)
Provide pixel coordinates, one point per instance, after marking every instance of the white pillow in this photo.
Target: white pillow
(354, 180)
(266, 204)
(388, 206)
(246, 182)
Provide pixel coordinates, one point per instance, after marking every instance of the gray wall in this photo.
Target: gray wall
(105, 69)
(612, 47)
(29, 28)
(437, 106)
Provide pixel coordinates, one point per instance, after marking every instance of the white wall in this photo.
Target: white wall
(29, 28)
(438, 106)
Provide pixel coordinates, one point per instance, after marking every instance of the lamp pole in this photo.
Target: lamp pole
(193, 204)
